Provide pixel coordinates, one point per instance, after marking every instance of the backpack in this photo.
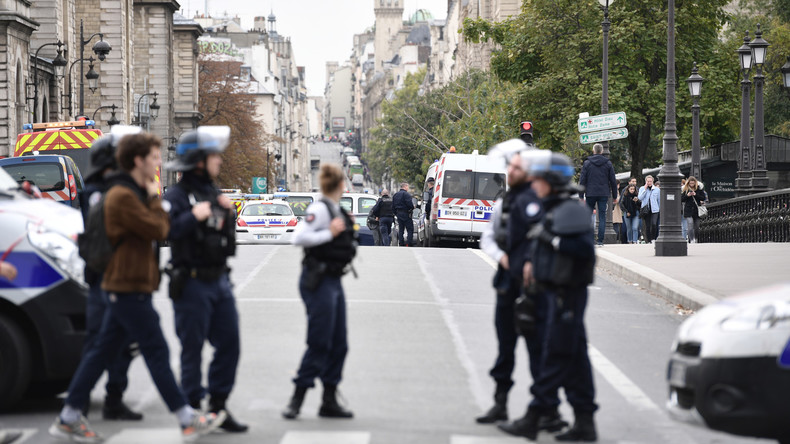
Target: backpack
(94, 245)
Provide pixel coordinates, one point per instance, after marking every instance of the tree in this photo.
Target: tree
(224, 101)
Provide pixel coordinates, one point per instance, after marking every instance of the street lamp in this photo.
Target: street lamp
(58, 63)
(670, 242)
(609, 235)
(695, 89)
(786, 75)
(744, 180)
(93, 78)
(93, 83)
(154, 108)
(759, 174)
(113, 120)
(101, 49)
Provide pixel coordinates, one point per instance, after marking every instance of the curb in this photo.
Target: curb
(661, 284)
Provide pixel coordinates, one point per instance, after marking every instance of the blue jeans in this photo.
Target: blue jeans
(385, 227)
(129, 316)
(632, 225)
(601, 202)
(684, 226)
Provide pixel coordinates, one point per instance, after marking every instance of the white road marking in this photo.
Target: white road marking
(26, 434)
(467, 439)
(370, 301)
(319, 437)
(136, 436)
(480, 396)
(484, 257)
(238, 289)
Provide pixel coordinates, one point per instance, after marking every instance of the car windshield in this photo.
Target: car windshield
(366, 204)
(47, 176)
(266, 210)
(299, 204)
(6, 181)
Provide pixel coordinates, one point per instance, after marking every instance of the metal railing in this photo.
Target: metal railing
(763, 217)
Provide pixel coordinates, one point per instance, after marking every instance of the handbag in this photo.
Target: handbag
(645, 211)
(702, 211)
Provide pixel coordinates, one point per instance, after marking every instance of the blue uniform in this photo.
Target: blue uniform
(383, 210)
(205, 309)
(402, 206)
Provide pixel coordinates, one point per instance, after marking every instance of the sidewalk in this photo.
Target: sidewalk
(710, 271)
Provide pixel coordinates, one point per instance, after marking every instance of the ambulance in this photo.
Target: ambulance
(465, 189)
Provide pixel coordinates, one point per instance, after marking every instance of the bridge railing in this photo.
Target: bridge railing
(763, 217)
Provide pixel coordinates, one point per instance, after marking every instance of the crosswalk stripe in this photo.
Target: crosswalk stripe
(26, 434)
(466, 439)
(326, 438)
(136, 436)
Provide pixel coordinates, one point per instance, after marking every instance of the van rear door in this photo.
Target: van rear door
(489, 186)
(454, 212)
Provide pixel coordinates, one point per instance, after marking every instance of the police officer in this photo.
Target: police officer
(383, 213)
(563, 263)
(202, 236)
(402, 205)
(427, 196)
(505, 241)
(330, 243)
(103, 165)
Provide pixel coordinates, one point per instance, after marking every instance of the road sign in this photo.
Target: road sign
(602, 122)
(259, 185)
(602, 136)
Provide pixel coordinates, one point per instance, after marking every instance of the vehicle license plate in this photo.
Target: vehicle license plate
(677, 374)
(267, 236)
(456, 213)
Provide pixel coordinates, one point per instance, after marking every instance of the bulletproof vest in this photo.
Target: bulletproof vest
(566, 219)
(385, 208)
(501, 230)
(338, 252)
(214, 240)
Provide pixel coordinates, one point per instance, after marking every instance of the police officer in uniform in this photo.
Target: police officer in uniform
(330, 240)
(505, 241)
(202, 236)
(402, 205)
(427, 196)
(383, 213)
(563, 264)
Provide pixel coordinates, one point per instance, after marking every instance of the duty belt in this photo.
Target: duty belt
(208, 273)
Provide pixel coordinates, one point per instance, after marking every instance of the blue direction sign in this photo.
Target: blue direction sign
(602, 122)
(602, 136)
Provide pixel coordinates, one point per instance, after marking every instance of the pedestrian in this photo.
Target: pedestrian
(202, 237)
(330, 243)
(427, 197)
(598, 179)
(683, 224)
(650, 196)
(403, 206)
(104, 165)
(374, 227)
(630, 205)
(563, 238)
(134, 221)
(504, 240)
(383, 212)
(617, 216)
(692, 197)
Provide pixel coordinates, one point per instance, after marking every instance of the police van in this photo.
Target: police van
(42, 311)
(465, 189)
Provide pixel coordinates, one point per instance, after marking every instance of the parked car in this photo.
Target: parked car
(730, 366)
(268, 221)
(365, 234)
(56, 176)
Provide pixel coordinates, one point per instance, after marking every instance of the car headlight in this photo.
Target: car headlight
(60, 248)
(761, 317)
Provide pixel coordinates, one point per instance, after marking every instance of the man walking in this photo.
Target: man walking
(382, 211)
(203, 236)
(599, 181)
(402, 205)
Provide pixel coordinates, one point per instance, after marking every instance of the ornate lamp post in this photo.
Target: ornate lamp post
(744, 180)
(610, 236)
(113, 120)
(92, 77)
(670, 242)
(59, 63)
(154, 108)
(786, 75)
(759, 174)
(101, 49)
(695, 89)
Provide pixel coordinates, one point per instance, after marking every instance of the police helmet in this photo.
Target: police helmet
(194, 145)
(103, 149)
(555, 168)
(505, 150)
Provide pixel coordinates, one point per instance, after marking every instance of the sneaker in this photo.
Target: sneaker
(202, 424)
(79, 431)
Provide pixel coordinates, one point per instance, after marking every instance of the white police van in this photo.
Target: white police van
(466, 187)
(42, 311)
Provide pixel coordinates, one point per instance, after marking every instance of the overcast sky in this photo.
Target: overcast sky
(320, 30)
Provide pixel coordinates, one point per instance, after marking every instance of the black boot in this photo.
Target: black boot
(527, 426)
(115, 409)
(498, 412)
(552, 422)
(583, 429)
(217, 404)
(330, 408)
(292, 410)
(195, 404)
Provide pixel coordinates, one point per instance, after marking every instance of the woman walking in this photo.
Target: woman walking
(630, 205)
(692, 197)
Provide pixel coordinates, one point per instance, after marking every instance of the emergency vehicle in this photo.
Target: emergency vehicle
(466, 187)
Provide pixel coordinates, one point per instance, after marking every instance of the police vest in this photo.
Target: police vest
(214, 239)
(338, 252)
(385, 207)
(501, 230)
(571, 222)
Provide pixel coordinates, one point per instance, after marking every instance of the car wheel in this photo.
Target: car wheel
(16, 363)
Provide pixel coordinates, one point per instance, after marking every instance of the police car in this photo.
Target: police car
(268, 221)
(730, 366)
(42, 311)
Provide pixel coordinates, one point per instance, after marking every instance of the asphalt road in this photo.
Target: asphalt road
(421, 343)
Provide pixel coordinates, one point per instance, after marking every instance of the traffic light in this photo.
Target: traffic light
(526, 132)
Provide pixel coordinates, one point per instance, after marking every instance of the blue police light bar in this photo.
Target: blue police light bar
(90, 123)
(27, 127)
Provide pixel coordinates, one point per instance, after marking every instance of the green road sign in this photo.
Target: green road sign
(259, 185)
(602, 122)
(602, 136)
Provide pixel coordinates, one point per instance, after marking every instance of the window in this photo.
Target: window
(299, 204)
(346, 203)
(458, 184)
(489, 186)
(366, 204)
(471, 185)
(46, 176)
(266, 210)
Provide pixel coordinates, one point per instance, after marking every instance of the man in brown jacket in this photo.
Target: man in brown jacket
(135, 221)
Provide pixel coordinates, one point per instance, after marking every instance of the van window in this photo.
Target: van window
(489, 186)
(76, 172)
(299, 204)
(45, 175)
(346, 203)
(458, 184)
(366, 204)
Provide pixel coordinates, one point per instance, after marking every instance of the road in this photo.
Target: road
(421, 342)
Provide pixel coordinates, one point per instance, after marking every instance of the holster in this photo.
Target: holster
(178, 280)
(314, 273)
